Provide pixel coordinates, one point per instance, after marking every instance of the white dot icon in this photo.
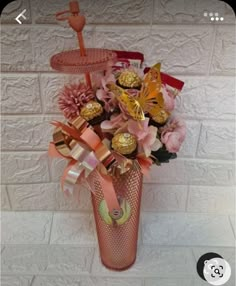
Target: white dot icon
(214, 16)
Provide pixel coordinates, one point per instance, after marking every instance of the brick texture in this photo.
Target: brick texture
(170, 45)
(22, 228)
(16, 280)
(97, 12)
(44, 196)
(211, 199)
(20, 93)
(83, 281)
(31, 133)
(23, 167)
(52, 260)
(223, 51)
(209, 98)
(5, 203)
(153, 262)
(166, 229)
(217, 141)
(159, 197)
(73, 228)
(195, 172)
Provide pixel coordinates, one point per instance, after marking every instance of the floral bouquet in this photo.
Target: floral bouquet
(131, 109)
(116, 127)
(115, 131)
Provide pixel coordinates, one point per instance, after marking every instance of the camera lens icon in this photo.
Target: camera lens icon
(217, 271)
(214, 269)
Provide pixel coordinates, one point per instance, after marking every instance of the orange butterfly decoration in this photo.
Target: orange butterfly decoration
(132, 104)
(149, 99)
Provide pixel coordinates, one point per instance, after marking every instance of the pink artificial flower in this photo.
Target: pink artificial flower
(73, 97)
(146, 136)
(97, 77)
(173, 134)
(169, 99)
(116, 124)
(104, 94)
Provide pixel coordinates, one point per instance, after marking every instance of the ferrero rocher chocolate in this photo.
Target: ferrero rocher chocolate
(91, 110)
(124, 143)
(129, 79)
(161, 117)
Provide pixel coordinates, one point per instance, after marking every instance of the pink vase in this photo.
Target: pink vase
(118, 243)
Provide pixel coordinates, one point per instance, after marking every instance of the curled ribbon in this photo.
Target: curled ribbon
(87, 152)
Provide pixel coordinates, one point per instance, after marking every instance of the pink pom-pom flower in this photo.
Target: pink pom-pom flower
(73, 97)
(173, 134)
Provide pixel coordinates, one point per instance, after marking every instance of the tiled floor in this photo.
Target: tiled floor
(60, 249)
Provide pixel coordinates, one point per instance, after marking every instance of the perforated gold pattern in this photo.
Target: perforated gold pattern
(118, 243)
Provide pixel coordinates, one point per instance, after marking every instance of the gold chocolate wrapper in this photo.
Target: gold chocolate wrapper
(91, 110)
(129, 79)
(161, 117)
(124, 143)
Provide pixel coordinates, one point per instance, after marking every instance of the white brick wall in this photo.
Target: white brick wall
(25, 229)
(196, 190)
(20, 93)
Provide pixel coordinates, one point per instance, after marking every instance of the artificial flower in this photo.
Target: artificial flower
(116, 124)
(104, 94)
(173, 134)
(98, 76)
(73, 97)
(169, 98)
(146, 136)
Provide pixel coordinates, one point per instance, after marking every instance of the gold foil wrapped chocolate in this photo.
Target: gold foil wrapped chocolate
(91, 110)
(129, 79)
(161, 117)
(124, 143)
